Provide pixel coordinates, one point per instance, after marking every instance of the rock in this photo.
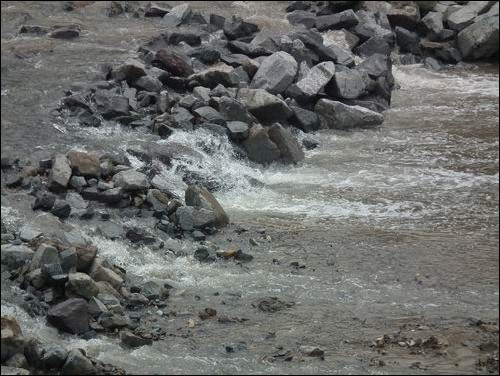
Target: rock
(69, 32)
(111, 105)
(61, 209)
(405, 14)
(210, 115)
(200, 198)
(34, 30)
(189, 218)
(131, 340)
(239, 60)
(80, 285)
(301, 17)
(275, 73)
(77, 182)
(433, 64)
(44, 201)
(238, 130)
(480, 40)
(14, 371)
(374, 45)
(337, 115)
(177, 15)
(199, 236)
(368, 27)
(445, 51)
(18, 361)
(290, 149)
(263, 105)
(172, 62)
(70, 316)
(465, 16)
(12, 338)
(433, 22)
(191, 37)
(100, 273)
(231, 109)
(154, 10)
(346, 84)
(205, 254)
(111, 196)
(376, 66)
(202, 93)
(111, 321)
(130, 71)
(45, 254)
(272, 304)
(28, 233)
(152, 290)
(15, 256)
(316, 79)
(14, 181)
(96, 307)
(131, 180)
(312, 351)
(54, 357)
(407, 41)
(110, 230)
(157, 199)
(206, 55)
(345, 19)
(217, 74)
(60, 174)
(260, 148)
(77, 364)
(69, 260)
(148, 83)
(306, 120)
(248, 49)
(236, 28)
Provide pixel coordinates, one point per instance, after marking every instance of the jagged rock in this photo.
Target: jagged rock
(290, 149)
(238, 130)
(45, 254)
(231, 109)
(263, 105)
(148, 83)
(12, 337)
(131, 180)
(131, 340)
(338, 115)
(368, 27)
(78, 364)
(54, 357)
(70, 316)
(433, 64)
(248, 49)
(316, 79)
(61, 209)
(177, 15)
(275, 73)
(131, 70)
(69, 260)
(206, 55)
(376, 66)
(172, 62)
(239, 60)
(260, 148)
(346, 84)
(80, 285)
(306, 120)
(110, 196)
(200, 198)
(480, 40)
(465, 16)
(111, 105)
(60, 174)
(100, 273)
(215, 75)
(345, 19)
(210, 115)
(404, 14)
(301, 17)
(445, 51)
(189, 218)
(157, 199)
(44, 201)
(154, 10)
(191, 37)
(15, 256)
(84, 164)
(433, 22)
(96, 307)
(407, 41)
(237, 28)
(14, 371)
(374, 45)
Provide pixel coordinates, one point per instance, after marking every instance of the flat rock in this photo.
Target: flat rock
(341, 20)
(85, 164)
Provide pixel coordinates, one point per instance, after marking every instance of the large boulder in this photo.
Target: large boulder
(232, 109)
(376, 66)
(130, 71)
(189, 218)
(290, 149)
(465, 16)
(131, 180)
(60, 173)
(301, 17)
(78, 364)
(369, 26)
(404, 13)
(200, 198)
(346, 84)
(177, 15)
(374, 45)
(80, 285)
(342, 20)
(70, 316)
(316, 79)
(480, 40)
(408, 41)
(433, 22)
(260, 148)
(217, 74)
(111, 105)
(12, 338)
(45, 254)
(15, 256)
(337, 115)
(275, 73)
(263, 105)
(84, 164)
(172, 62)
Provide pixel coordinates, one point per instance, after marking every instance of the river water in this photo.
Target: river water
(396, 227)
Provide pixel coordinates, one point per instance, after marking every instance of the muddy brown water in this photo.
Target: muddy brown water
(397, 227)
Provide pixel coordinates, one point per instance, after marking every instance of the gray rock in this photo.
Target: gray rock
(172, 62)
(433, 64)
(479, 40)
(215, 75)
(206, 55)
(114, 321)
(77, 182)
(407, 41)
(210, 115)
(346, 84)
(148, 83)
(200, 198)
(15, 256)
(157, 199)
(80, 285)
(13, 341)
(131, 340)
(177, 15)
(84, 164)
(61, 209)
(248, 49)
(237, 28)
(111, 230)
(69, 260)
(131, 70)
(17, 361)
(337, 115)
(263, 105)
(433, 22)
(44, 201)
(188, 102)
(67, 32)
(368, 27)
(70, 316)
(76, 201)
(14, 371)
(78, 364)
(316, 79)
(275, 73)
(45, 254)
(202, 93)
(465, 16)
(260, 148)
(231, 109)
(345, 19)
(131, 180)
(301, 17)
(306, 120)
(154, 10)
(188, 36)
(406, 15)
(290, 149)
(96, 307)
(374, 45)
(189, 218)
(60, 174)
(376, 66)
(28, 233)
(99, 272)
(239, 60)
(54, 357)
(238, 130)
(110, 105)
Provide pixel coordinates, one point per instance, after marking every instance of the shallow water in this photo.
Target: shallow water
(395, 225)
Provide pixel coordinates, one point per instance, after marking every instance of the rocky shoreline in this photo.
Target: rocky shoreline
(256, 87)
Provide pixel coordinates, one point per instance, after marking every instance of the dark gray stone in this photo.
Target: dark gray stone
(78, 364)
(301, 17)
(306, 120)
(131, 340)
(407, 41)
(215, 75)
(480, 40)
(238, 130)
(70, 316)
(342, 20)
(232, 109)
(346, 84)
(201, 198)
(260, 148)
(60, 174)
(290, 149)
(54, 357)
(15, 256)
(337, 115)
(206, 55)
(236, 28)
(263, 105)
(374, 45)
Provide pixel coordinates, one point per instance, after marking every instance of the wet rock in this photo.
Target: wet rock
(111, 321)
(34, 30)
(148, 83)
(238, 130)
(433, 22)
(207, 313)
(312, 351)
(433, 64)
(15, 256)
(12, 338)
(68, 32)
(78, 364)
(99, 272)
(275, 73)
(111, 105)
(177, 15)
(290, 149)
(70, 316)
(445, 51)
(217, 74)
(157, 199)
(248, 49)
(263, 105)
(80, 285)
(191, 37)
(347, 84)
(45, 254)
(77, 182)
(172, 62)
(69, 260)
(14, 371)
(338, 115)
(369, 27)
(205, 254)
(272, 305)
(200, 198)
(260, 148)
(154, 10)
(374, 45)
(44, 201)
(131, 180)
(206, 55)
(376, 66)
(96, 307)
(131, 340)
(342, 20)
(465, 16)
(306, 120)
(17, 361)
(54, 357)
(130, 71)
(189, 218)
(236, 28)
(61, 209)
(111, 230)
(232, 109)
(407, 41)
(480, 40)
(210, 115)
(316, 79)
(60, 174)
(301, 17)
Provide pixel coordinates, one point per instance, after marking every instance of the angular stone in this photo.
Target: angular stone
(157, 199)
(45, 254)
(130, 71)
(69, 260)
(305, 120)
(78, 364)
(480, 40)
(342, 20)
(232, 109)
(210, 115)
(290, 149)
(70, 316)
(260, 148)
(238, 130)
(154, 10)
(263, 105)
(96, 307)
(248, 49)
(189, 218)
(131, 180)
(337, 115)
(465, 16)
(148, 83)
(317, 77)
(61, 209)
(172, 62)
(14, 371)
(131, 340)
(54, 357)
(60, 174)
(206, 55)
(100, 273)
(44, 201)
(191, 37)
(237, 28)
(433, 22)
(215, 75)
(275, 73)
(177, 15)
(407, 41)
(15, 256)
(80, 285)
(376, 66)
(301, 17)
(346, 84)
(200, 198)
(369, 27)
(374, 45)
(12, 338)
